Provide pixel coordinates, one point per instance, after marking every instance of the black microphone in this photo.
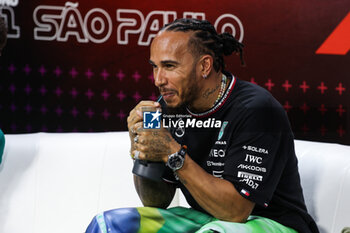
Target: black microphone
(149, 169)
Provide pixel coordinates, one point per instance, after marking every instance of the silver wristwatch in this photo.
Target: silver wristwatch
(176, 160)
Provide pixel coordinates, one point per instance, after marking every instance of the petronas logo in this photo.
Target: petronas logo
(221, 133)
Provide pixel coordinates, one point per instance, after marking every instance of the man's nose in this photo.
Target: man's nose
(159, 78)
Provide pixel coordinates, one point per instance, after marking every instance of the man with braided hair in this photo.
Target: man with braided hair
(238, 176)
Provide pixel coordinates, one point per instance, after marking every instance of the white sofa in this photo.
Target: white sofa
(57, 182)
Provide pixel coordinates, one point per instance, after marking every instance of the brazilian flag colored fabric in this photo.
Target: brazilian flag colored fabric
(176, 220)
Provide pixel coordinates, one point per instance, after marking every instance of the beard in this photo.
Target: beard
(176, 110)
(188, 96)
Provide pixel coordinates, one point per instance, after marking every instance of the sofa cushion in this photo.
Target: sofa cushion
(57, 182)
(325, 176)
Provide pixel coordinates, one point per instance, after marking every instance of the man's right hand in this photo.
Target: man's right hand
(135, 116)
(151, 193)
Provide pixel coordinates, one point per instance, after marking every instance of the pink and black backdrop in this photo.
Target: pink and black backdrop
(82, 66)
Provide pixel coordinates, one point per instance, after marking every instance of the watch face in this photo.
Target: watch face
(176, 162)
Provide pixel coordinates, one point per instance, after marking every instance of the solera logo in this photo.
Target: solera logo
(62, 23)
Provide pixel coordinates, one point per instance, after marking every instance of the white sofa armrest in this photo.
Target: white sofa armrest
(325, 176)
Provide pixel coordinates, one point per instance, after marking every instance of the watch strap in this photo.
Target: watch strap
(182, 152)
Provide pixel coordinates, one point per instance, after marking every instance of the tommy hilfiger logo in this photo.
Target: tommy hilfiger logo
(245, 192)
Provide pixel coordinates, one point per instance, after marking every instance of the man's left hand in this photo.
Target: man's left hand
(153, 144)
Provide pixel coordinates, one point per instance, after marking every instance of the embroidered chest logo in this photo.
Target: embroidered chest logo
(221, 133)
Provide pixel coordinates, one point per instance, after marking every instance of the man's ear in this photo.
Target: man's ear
(206, 65)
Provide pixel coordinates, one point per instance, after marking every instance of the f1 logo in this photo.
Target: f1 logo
(338, 42)
(151, 120)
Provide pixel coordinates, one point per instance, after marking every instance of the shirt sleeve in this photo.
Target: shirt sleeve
(255, 156)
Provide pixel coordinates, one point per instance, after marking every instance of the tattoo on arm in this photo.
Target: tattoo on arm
(168, 138)
(183, 181)
(158, 145)
(155, 133)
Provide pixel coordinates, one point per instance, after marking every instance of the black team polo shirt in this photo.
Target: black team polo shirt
(253, 149)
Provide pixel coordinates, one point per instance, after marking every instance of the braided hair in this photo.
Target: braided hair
(206, 40)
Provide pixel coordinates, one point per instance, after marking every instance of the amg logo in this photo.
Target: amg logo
(249, 176)
(220, 143)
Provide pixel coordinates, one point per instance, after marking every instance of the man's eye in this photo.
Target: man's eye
(169, 65)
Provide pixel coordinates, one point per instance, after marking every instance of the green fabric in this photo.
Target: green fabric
(254, 224)
(177, 219)
(151, 220)
(2, 144)
(184, 220)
